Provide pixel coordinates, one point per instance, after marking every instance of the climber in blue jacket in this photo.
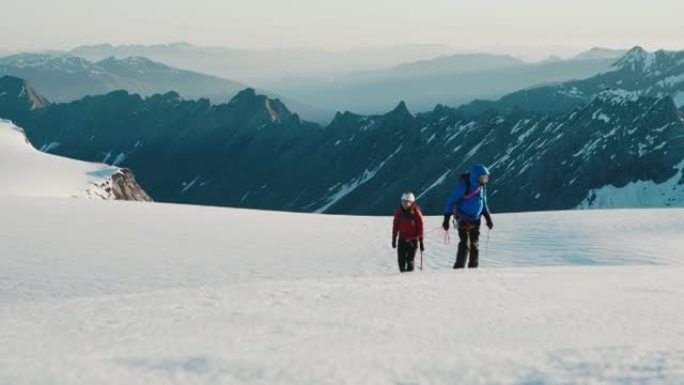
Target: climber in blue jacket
(468, 204)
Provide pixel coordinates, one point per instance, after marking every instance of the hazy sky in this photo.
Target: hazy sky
(343, 24)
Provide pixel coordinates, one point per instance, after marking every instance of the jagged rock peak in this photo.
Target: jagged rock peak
(400, 110)
(636, 59)
(19, 88)
(246, 94)
(248, 99)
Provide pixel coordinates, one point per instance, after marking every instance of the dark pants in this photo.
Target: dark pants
(406, 253)
(469, 235)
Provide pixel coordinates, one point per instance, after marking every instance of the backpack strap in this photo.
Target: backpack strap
(467, 195)
(472, 194)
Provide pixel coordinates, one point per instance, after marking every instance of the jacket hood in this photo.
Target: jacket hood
(476, 172)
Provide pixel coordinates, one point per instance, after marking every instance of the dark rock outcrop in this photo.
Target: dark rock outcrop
(124, 187)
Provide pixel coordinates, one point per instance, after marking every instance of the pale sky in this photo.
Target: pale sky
(339, 25)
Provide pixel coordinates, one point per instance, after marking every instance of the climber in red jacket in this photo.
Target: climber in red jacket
(408, 225)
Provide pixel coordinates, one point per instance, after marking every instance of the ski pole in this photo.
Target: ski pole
(421, 260)
(487, 246)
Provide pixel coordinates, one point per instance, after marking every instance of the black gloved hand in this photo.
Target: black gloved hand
(394, 243)
(422, 247)
(445, 224)
(490, 224)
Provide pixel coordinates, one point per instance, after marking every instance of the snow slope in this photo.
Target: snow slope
(122, 293)
(26, 171)
(640, 194)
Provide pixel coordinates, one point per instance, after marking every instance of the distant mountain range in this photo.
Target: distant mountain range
(253, 152)
(67, 77)
(450, 80)
(598, 53)
(637, 73)
(367, 81)
(63, 78)
(442, 65)
(260, 67)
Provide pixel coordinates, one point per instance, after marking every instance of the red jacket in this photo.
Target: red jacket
(409, 227)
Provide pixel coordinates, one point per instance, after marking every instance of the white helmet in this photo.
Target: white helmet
(408, 196)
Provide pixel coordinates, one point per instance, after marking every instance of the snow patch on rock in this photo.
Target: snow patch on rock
(639, 194)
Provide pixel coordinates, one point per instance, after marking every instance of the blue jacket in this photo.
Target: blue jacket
(466, 204)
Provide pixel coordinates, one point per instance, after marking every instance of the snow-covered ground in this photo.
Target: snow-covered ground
(110, 292)
(26, 171)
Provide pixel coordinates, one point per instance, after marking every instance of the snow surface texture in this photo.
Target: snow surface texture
(26, 171)
(127, 293)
